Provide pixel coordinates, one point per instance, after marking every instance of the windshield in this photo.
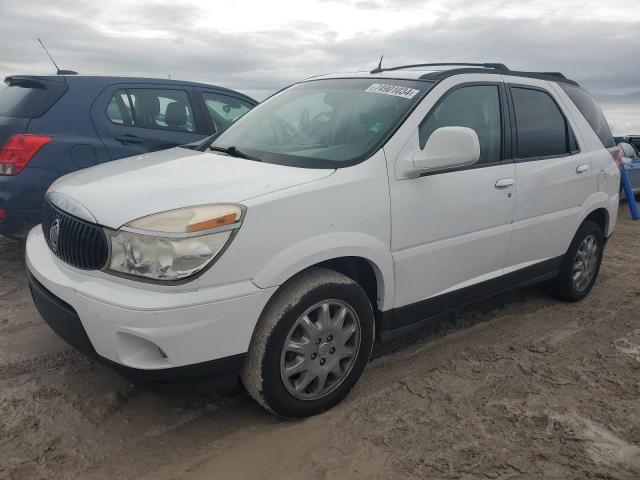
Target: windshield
(324, 123)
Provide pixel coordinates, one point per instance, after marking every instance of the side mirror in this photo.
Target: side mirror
(448, 147)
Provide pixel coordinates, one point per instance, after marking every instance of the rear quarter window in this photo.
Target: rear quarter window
(29, 99)
(591, 112)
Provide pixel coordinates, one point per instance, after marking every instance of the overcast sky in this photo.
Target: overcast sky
(258, 47)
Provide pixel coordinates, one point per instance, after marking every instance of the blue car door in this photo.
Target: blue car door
(137, 118)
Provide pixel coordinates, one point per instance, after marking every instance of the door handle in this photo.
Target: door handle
(504, 182)
(128, 139)
(584, 168)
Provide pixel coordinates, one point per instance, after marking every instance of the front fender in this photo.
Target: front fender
(329, 246)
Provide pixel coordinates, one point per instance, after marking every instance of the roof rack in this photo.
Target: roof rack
(549, 76)
(493, 66)
(554, 74)
(477, 68)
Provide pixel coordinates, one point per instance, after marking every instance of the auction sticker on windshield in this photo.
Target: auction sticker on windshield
(394, 90)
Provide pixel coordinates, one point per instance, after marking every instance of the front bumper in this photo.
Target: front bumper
(64, 321)
(159, 334)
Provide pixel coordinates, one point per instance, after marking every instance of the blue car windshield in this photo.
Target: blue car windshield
(329, 123)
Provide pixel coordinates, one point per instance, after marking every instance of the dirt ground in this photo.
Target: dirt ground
(521, 387)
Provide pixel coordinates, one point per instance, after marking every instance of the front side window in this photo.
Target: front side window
(541, 128)
(152, 108)
(476, 107)
(224, 110)
(324, 123)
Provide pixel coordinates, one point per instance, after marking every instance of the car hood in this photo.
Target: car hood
(123, 190)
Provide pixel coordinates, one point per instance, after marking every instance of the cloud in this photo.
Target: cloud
(386, 5)
(622, 111)
(192, 42)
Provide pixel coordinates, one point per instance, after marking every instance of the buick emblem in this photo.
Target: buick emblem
(323, 349)
(54, 234)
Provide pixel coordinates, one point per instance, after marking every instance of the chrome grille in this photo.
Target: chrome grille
(75, 241)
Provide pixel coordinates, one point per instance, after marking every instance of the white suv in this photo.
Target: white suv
(344, 209)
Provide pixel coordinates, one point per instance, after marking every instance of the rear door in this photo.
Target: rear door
(134, 119)
(553, 178)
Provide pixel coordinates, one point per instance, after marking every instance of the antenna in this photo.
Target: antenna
(58, 71)
(378, 69)
(48, 55)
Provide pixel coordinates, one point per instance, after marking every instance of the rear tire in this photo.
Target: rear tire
(311, 345)
(581, 264)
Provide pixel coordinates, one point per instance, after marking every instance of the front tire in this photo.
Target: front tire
(581, 264)
(311, 345)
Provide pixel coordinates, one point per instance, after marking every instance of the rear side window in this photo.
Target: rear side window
(476, 107)
(224, 110)
(591, 112)
(541, 129)
(29, 98)
(152, 108)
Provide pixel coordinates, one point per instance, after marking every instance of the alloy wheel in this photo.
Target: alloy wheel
(320, 349)
(585, 263)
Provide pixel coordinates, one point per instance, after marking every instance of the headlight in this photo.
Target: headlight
(173, 245)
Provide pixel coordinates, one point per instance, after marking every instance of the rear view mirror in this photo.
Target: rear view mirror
(448, 147)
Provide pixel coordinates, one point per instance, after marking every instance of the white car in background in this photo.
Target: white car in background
(346, 208)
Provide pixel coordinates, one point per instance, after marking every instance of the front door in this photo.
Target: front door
(451, 229)
(137, 119)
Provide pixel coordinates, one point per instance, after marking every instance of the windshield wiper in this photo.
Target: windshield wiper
(233, 152)
(190, 146)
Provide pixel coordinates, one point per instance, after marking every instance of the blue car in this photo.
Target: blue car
(631, 160)
(54, 125)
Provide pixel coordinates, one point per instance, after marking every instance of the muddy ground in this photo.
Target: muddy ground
(521, 387)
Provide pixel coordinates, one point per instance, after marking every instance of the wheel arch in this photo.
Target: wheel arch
(363, 258)
(600, 216)
(363, 272)
(600, 209)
